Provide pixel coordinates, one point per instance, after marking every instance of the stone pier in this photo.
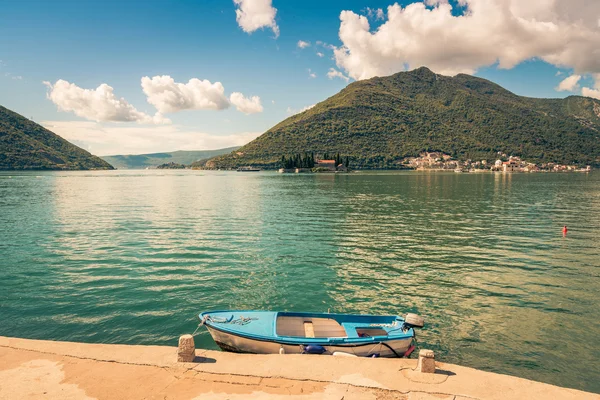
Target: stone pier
(35, 369)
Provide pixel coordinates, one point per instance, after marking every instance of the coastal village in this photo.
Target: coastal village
(438, 161)
(319, 166)
(426, 161)
(309, 163)
(504, 163)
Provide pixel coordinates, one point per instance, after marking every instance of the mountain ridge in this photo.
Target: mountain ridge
(380, 121)
(150, 160)
(25, 145)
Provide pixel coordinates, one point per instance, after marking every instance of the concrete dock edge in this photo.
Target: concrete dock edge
(66, 370)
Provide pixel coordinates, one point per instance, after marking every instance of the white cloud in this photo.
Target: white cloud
(246, 105)
(169, 96)
(162, 92)
(376, 13)
(98, 104)
(102, 139)
(506, 32)
(320, 54)
(302, 44)
(334, 73)
(588, 92)
(11, 76)
(569, 84)
(433, 3)
(311, 74)
(256, 14)
(292, 111)
(325, 45)
(558, 73)
(597, 80)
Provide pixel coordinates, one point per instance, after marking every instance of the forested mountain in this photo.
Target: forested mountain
(27, 145)
(380, 121)
(142, 161)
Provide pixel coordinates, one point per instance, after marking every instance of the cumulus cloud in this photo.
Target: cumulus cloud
(588, 92)
(98, 104)
(246, 105)
(302, 44)
(169, 96)
(256, 14)
(320, 54)
(487, 32)
(109, 139)
(292, 111)
(596, 77)
(311, 74)
(325, 45)
(434, 3)
(334, 73)
(376, 13)
(569, 84)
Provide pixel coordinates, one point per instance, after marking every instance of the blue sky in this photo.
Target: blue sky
(89, 43)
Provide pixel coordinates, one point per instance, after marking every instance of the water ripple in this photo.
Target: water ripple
(131, 257)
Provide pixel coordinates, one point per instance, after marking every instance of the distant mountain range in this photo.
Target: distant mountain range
(380, 121)
(142, 161)
(25, 145)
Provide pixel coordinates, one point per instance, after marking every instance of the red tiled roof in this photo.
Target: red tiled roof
(327, 161)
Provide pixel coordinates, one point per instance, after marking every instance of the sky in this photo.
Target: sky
(134, 77)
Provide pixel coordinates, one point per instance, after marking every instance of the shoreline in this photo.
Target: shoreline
(56, 370)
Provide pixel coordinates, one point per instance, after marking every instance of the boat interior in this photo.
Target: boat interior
(322, 327)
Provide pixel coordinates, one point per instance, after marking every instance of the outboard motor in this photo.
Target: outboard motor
(414, 320)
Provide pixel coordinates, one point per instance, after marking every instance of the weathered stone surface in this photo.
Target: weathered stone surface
(186, 351)
(427, 353)
(426, 362)
(31, 369)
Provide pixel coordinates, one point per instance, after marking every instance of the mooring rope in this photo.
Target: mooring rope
(199, 326)
(239, 321)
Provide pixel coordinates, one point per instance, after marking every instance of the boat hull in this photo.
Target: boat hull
(238, 344)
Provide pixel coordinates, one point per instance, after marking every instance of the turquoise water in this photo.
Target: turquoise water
(133, 256)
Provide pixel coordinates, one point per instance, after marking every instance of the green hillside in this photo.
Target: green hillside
(142, 161)
(379, 121)
(27, 145)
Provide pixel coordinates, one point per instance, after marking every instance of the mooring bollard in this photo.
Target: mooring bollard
(187, 349)
(426, 362)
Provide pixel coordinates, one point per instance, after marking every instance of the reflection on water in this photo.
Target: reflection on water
(132, 257)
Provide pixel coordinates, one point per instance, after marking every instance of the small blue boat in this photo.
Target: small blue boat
(269, 332)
